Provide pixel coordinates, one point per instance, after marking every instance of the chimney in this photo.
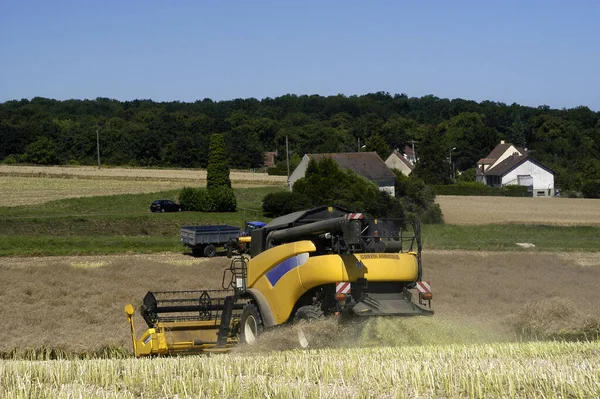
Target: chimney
(501, 141)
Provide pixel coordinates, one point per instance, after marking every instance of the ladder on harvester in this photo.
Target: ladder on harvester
(234, 279)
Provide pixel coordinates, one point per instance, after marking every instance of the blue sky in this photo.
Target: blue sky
(528, 52)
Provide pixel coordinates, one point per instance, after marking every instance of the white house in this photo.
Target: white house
(366, 164)
(396, 160)
(507, 165)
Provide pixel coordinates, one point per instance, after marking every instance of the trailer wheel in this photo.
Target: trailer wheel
(251, 324)
(210, 251)
(306, 314)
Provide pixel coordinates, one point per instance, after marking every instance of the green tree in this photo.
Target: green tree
(218, 163)
(42, 152)
(377, 143)
(516, 133)
(468, 133)
(326, 184)
(433, 165)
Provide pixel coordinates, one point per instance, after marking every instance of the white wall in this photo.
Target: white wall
(393, 162)
(542, 179)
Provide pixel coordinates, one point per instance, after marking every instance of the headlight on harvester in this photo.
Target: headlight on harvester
(340, 297)
(426, 296)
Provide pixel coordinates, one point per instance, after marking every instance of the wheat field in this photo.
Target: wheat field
(531, 370)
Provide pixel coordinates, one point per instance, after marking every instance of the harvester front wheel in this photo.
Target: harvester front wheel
(251, 324)
(306, 314)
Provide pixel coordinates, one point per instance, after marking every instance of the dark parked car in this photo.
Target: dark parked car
(165, 206)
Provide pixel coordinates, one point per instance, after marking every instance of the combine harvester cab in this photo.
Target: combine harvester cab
(305, 266)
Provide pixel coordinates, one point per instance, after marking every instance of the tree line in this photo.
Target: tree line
(177, 134)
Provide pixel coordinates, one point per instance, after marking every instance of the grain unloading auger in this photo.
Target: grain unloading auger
(305, 266)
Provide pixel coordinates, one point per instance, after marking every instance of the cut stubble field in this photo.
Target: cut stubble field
(25, 185)
(68, 303)
(475, 210)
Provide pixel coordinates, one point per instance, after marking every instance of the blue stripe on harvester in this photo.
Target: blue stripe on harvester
(277, 272)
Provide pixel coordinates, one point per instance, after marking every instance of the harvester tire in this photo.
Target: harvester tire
(251, 325)
(306, 314)
(309, 313)
(210, 251)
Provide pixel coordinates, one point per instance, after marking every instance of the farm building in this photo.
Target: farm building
(396, 160)
(507, 165)
(366, 164)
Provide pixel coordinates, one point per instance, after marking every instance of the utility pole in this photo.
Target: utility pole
(414, 153)
(358, 144)
(287, 157)
(451, 165)
(98, 144)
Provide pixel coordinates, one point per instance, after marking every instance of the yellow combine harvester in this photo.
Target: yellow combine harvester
(305, 266)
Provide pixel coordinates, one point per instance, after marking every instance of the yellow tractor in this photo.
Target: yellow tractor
(304, 266)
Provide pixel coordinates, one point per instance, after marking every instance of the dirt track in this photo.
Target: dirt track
(76, 303)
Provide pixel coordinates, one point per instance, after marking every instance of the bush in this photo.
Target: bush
(12, 159)
(467, 176)
(431, 215)
(282, 203)
(476, 188)
(217, 199)
(222, 199)
(196, 199)
(418, 198)
(591, 189)
(516, 191)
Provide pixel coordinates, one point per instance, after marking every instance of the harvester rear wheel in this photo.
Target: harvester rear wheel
(251, 324)
(306, 314)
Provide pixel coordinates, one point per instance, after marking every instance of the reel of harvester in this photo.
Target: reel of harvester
(191, 321)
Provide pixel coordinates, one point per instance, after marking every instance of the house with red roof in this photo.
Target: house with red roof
(507, 164)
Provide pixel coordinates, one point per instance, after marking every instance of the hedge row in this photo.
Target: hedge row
(473, 189)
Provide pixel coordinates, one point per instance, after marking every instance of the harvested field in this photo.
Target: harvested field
(37, 190)
(464, 210)
(69, 303)
(26, 185)
(184, 175)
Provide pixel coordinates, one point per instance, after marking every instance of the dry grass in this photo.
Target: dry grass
(76, 303)
(493, 210)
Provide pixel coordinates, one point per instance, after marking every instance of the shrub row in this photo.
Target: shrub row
(480, 189)
(215, 199)
(591, 189)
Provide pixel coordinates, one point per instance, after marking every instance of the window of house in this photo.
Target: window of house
(541, 193)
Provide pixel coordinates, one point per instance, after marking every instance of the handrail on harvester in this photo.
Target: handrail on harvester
(129, 311)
